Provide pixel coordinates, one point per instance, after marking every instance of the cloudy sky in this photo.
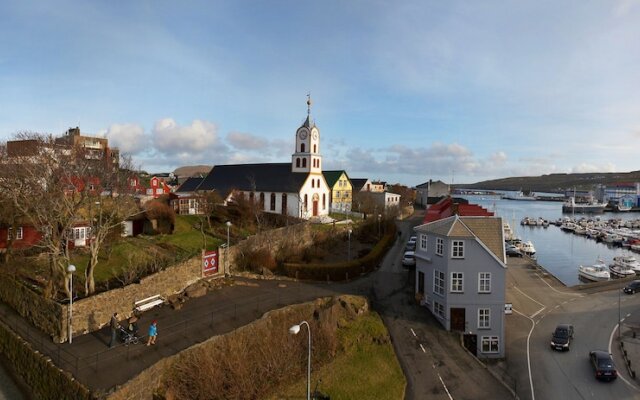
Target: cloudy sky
(402, 91)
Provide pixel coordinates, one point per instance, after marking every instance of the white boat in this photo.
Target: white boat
(629, 262)
(570, 206)
(620, 271)
(596, 272)
(527, 248)
(611, 238)
(635, 247)
(518, 196)
(508, 233)
(568, 226)
(580, 230)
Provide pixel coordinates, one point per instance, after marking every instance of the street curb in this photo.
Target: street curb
(493, 373)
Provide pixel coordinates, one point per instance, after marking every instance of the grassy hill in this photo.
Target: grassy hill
(555, 182)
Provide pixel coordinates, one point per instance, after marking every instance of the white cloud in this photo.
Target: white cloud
(198, 137)
(589, 168)
(129, 138)
(246, 141)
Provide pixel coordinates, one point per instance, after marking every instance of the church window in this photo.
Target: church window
(302, 148)
(251, 197)
(273, 202)
(261, 200)
(315, 148)
(324, 201)
(297, 163)
(313, 183)
(304, 163)
(305, 202)
(284, 204)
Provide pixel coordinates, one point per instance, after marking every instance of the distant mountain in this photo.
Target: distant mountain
(555, 182)
(192, 170)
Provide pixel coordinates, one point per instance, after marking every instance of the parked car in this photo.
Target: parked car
(413, 239)
(561, 337)
(512, 251)
(603, 365)
(632, 287)
(411, 246)
(409, 259)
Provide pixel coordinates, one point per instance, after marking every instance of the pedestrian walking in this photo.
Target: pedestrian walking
(114, 329)
(153, 333)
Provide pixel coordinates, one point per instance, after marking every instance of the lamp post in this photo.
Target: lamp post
(294, 331)
(349, 253)
(71, 269)
(226, 252)
(379, 218)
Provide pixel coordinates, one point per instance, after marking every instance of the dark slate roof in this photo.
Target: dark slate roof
(358, 183)
(190, 185)
(332, 176)
(253, 177)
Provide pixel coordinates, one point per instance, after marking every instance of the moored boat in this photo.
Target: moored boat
(570, 206)
(596, 272)
(620, 271)
(527, 248)
(629, 262)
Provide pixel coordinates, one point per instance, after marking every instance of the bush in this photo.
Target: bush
(255, 260)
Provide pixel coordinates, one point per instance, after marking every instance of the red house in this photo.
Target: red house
(25, 236)
(158, 187)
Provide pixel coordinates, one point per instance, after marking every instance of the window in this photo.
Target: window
(284, 204)
(438, 309)
(313, 183)
(483, 318)
(272, 204)
(439, 246)
(457, 249)
(305, 202)
(315, 148)
(324, 201)
(490, 344)
(457, 282)
(297, 163)
(484, 282)
(261, 201)
(438, 282)
(302, 148)
(304, 163)
(423, 241)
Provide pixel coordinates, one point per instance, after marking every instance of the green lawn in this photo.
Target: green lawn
(367, 369)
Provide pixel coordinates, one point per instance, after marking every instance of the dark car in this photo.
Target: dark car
(561, 337)
(512, 251)
(632, 287)
(603, 365)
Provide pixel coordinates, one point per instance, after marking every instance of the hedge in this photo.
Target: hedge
(344, 270)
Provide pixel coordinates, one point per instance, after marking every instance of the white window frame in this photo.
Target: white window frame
(484, 282)
(438, 282)
(490, 344)
(423, 242)
(457, 249)
(439, 246)
(457, 282)
(438, 309)
(484, 318)
(19, 233)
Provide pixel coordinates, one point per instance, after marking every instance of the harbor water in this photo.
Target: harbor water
(558, 252)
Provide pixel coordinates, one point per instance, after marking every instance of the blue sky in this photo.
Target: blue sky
(402, 91)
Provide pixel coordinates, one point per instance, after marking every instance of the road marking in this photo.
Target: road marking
(414, 334)
(422, 347)
(533, 325)
(529, 297)
(538, 312)
(556, 307)
(556, 290)
(613, 332)
(445, 387)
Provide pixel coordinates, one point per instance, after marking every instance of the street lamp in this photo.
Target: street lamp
(379, 218)
(349, 232)
(226, 252)
(70, 269)
(294, 331)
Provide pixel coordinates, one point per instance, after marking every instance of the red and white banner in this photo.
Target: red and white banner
(209, 262)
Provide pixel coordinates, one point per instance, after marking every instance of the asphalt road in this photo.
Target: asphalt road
(540, 303)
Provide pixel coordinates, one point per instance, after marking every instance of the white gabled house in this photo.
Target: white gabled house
(460, 278)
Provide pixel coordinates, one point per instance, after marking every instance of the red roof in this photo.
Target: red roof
(446, 208)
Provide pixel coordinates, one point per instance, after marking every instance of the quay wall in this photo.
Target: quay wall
(46, 381)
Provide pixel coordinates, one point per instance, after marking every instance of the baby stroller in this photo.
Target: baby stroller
(128, 337)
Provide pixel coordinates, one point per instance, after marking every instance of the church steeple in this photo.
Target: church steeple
(306, 157)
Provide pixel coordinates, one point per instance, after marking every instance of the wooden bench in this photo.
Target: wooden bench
(148, 303)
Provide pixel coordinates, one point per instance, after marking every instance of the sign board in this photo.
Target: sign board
(209, 263)
(508, 308)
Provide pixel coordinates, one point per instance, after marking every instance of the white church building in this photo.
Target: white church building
(296, 189)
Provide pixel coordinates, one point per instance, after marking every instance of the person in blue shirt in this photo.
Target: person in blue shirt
(153, 333)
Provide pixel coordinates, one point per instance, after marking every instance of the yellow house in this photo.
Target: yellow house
(341, 190)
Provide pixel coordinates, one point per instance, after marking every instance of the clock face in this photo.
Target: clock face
(302, 134)
(315, 134)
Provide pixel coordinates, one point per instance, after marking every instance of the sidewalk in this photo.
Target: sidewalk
(99, 368)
